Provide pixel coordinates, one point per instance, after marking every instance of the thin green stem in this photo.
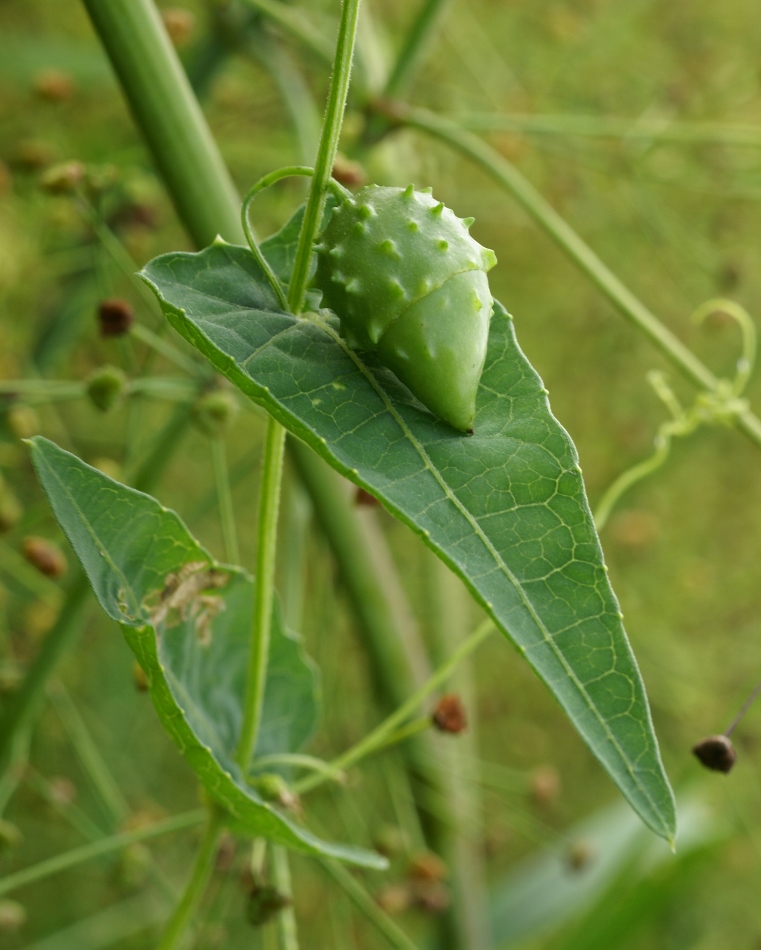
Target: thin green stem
(225, 498)
(380, 736)
(89, 755)
(168, 350)
(611, 127)
(508, 176)
(87, 852)
(286, 920)
(395, 936)
(265, 182)
(18, 756)
(299, 760)
(204, 863)
(168, 114)
(411, 54)
(298, 25)
(326, 153)
(269, 503)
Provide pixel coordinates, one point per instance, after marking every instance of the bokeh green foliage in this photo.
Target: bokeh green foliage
(677, 222)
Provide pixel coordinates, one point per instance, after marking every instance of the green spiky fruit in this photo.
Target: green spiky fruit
(408, 283)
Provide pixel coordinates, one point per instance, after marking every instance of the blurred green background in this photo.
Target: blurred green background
(676, 220)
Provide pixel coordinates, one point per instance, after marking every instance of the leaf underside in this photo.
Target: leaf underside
(187, 619)
(505, 508)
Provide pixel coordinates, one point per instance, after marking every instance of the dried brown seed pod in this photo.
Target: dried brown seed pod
(580, 854)
(394, 898)
(545, 785)
(115, 317)
(449, 715)
(63, 179)
(364, 499)
(55, 85)
(44, 556)
(179, 24)
(716, 753)
(427, 866)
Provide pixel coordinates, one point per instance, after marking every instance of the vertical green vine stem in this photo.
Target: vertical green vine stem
(269, 498)
(269, 503)
(326, 154)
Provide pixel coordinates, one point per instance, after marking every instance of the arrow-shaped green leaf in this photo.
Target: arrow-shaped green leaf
(187, 619)
(504, 508)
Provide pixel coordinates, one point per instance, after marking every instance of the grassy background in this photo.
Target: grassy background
(676, 222)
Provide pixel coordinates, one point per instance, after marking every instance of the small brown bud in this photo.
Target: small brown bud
(226, 848)
(44, 556)
(394, 898)
(54, 85)
(179, 24)
(115, 317)
(545, 785)
(264, 903)
(635, 528)
(12, 915)
(364, 499)
(432, 897)
(139, 678)
(449, 715)
(63, 179)
(349, 173)
(427, 866)
(33, 155)
(716, 753)
(580, 854)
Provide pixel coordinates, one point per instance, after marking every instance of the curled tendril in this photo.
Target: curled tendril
(290, 171)
(720, 405)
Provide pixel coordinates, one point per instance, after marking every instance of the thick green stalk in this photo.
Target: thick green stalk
(269, 504)
(580, 253)
(202, 868)
(326, 153)
(168, 114)
(87, 852)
